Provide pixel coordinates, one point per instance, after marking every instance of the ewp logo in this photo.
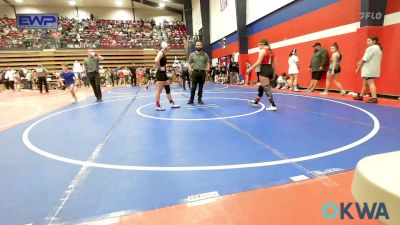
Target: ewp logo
(363, 210)
(37, 21)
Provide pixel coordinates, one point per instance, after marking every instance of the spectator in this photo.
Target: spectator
(10, 78)
(317, 65)
(233, 72)
(334, 70)
(29, 79)
(282, 82)
(118, 34)
(127, 75)
(370, 66)
(133, 74)
(77, 69)
(293, 70)
(121, 76)
(2, 79)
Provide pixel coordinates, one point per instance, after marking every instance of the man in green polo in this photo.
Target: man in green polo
(92, 70)
(317, 65)
(199, 64)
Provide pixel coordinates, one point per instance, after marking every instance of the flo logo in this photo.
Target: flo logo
(362, 210)
(371, 15)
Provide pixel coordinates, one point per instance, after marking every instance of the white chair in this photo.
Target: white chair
(377, 179)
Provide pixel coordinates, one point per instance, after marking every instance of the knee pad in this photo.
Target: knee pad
(167, 89)
(267, 87)
(268, 93)
(260, 91)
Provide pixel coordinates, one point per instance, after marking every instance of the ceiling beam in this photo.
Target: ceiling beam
(153, 4)
(179, 1)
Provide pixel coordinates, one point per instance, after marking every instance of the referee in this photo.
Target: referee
(92, 70)
(199, 63)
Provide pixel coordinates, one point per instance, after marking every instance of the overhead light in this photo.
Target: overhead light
(19, 1)
(72, 2)
(119, 2)
(162, 5)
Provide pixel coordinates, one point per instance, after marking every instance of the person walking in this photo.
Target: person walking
(92, 70)
(370, 66)
(334, 70)
(185, 75)
(266, 63)
(162, 79)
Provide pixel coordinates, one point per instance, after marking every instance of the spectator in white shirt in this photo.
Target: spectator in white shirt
(11, 76)
(293, 70)
(370, 66)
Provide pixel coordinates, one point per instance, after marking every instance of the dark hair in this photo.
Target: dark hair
(293, 52)
(336, 45)
(337, 49)
(375, 38)
(264, 41)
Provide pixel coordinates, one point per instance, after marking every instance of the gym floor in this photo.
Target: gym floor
(225, 162)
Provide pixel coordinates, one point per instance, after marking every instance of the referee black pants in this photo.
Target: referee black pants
(198, 78)
(43, 81)
(94, 80)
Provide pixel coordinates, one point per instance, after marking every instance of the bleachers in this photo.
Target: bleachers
(52, 60)
(88, 33)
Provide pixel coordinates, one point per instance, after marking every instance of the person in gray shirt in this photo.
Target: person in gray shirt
(92, 70)
(199, 63)
(41, 74)
(317, 65)
(370, 66)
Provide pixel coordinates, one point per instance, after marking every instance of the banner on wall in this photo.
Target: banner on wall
(223, 4)
(372, 12)
(37, 21)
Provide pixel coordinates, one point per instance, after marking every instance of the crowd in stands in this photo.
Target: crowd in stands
(93, 33)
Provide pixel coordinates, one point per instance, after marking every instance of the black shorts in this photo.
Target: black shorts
(266, 70)
(337, 70)
(317, 75)
(161, 76)
(369, 78)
